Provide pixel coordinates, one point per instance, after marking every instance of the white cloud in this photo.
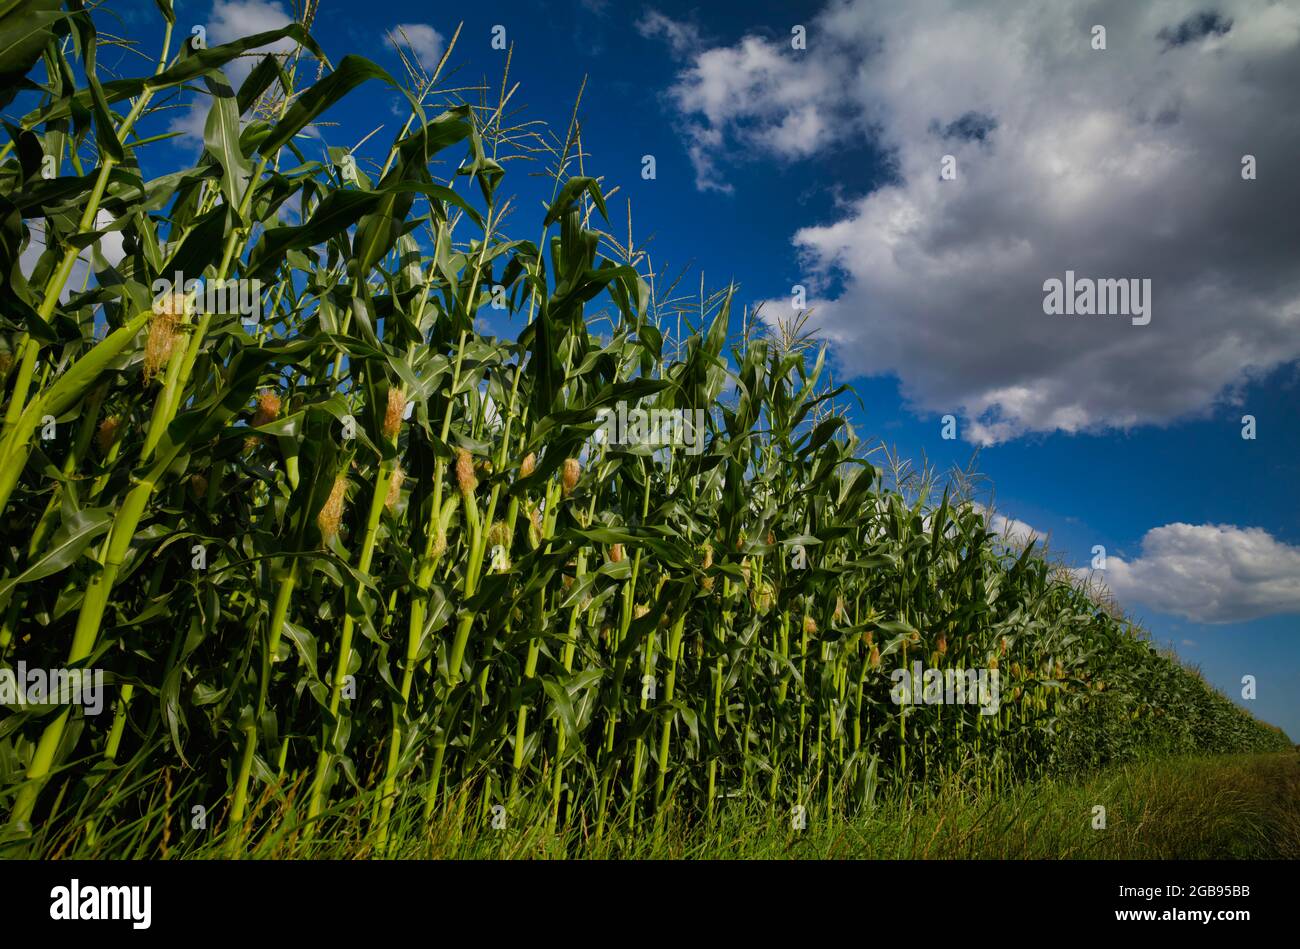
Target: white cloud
(234, 19)
(1015, 533)
(191, 122)
(1208, 573)
(755, 95)
(1123, 163)
(682, 38)
(424, 40)
(231, 20)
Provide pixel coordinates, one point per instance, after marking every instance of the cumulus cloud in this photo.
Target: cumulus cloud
(754, 96)
(1208, 573)
(231, 20)
(426, 42)
(191, 122)
(1013, 532)
(1115, 163)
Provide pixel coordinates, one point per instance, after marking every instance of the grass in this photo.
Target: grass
(1224, 807)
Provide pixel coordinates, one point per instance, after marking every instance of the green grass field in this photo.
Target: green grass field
(1225, 807)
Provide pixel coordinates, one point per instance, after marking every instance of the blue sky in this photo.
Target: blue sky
(820, 167)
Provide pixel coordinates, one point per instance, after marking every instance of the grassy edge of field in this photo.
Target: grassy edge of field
(1223, 807)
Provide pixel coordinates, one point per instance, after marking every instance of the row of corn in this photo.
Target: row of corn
(368, 546)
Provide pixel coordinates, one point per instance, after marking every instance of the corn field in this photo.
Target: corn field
(364, 547)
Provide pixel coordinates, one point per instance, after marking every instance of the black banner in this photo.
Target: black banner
(213, 898)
